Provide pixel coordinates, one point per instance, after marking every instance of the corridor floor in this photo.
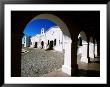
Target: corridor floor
(91, 69)
(85, 70)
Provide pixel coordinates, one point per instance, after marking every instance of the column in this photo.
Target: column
(74, 65)
(83, 50)
(88, 39)
(16, 55)
(67, 57)
(94, 47)
(91, 48)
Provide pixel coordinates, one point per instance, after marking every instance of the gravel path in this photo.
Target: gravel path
(37, 62)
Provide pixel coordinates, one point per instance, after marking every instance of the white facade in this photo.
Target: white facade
(26, 41)
(53, 35)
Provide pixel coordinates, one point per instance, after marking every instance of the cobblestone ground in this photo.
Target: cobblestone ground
(38, 62)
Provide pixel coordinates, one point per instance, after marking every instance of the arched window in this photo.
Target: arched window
(82, 39)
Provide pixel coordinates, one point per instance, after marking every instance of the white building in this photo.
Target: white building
(26, 41)
(50, 39)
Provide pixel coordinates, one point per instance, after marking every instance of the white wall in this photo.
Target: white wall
(67, 57)
(25, 41)
(82, 50)
(51, 34)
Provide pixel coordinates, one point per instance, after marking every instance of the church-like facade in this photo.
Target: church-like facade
(52, 39)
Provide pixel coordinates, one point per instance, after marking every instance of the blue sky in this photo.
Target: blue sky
(34, 26)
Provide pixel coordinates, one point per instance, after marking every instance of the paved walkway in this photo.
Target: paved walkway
(37, 62)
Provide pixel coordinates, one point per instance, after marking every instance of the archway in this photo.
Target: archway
(82, 54)
(66, 40)
(36, 44)
(85, 55)
(75, 22)
(82, 47)
(42, 45)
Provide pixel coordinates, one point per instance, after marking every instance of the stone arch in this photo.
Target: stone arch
(66, 39)
(91, 39)
(82, 50)
(83, 35)
(56, 20)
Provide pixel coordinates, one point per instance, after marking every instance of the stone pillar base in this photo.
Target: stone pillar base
(74, 70)
(66, 69)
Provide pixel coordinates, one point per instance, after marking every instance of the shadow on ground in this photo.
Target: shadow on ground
(87, 73)
(95, 62)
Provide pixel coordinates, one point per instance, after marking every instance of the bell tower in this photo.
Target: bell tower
(42, 31)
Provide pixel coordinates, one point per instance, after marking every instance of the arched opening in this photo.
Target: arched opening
(75, 21)
(51, 45)
(42, 45)
(49, 39)
(85, 56)
(36, 44)
(82, 47)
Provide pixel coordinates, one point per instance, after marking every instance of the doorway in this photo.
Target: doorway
(36, 44)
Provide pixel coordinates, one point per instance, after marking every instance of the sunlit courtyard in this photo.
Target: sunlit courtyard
(38, 62)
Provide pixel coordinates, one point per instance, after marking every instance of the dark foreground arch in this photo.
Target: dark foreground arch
(75, 21)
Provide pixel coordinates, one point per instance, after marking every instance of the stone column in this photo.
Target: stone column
(16, 48)
(74, 65)
(67, 57)
(94, 48)
(83, 50)
(98, 48)
(88, 39)
(91, 48)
